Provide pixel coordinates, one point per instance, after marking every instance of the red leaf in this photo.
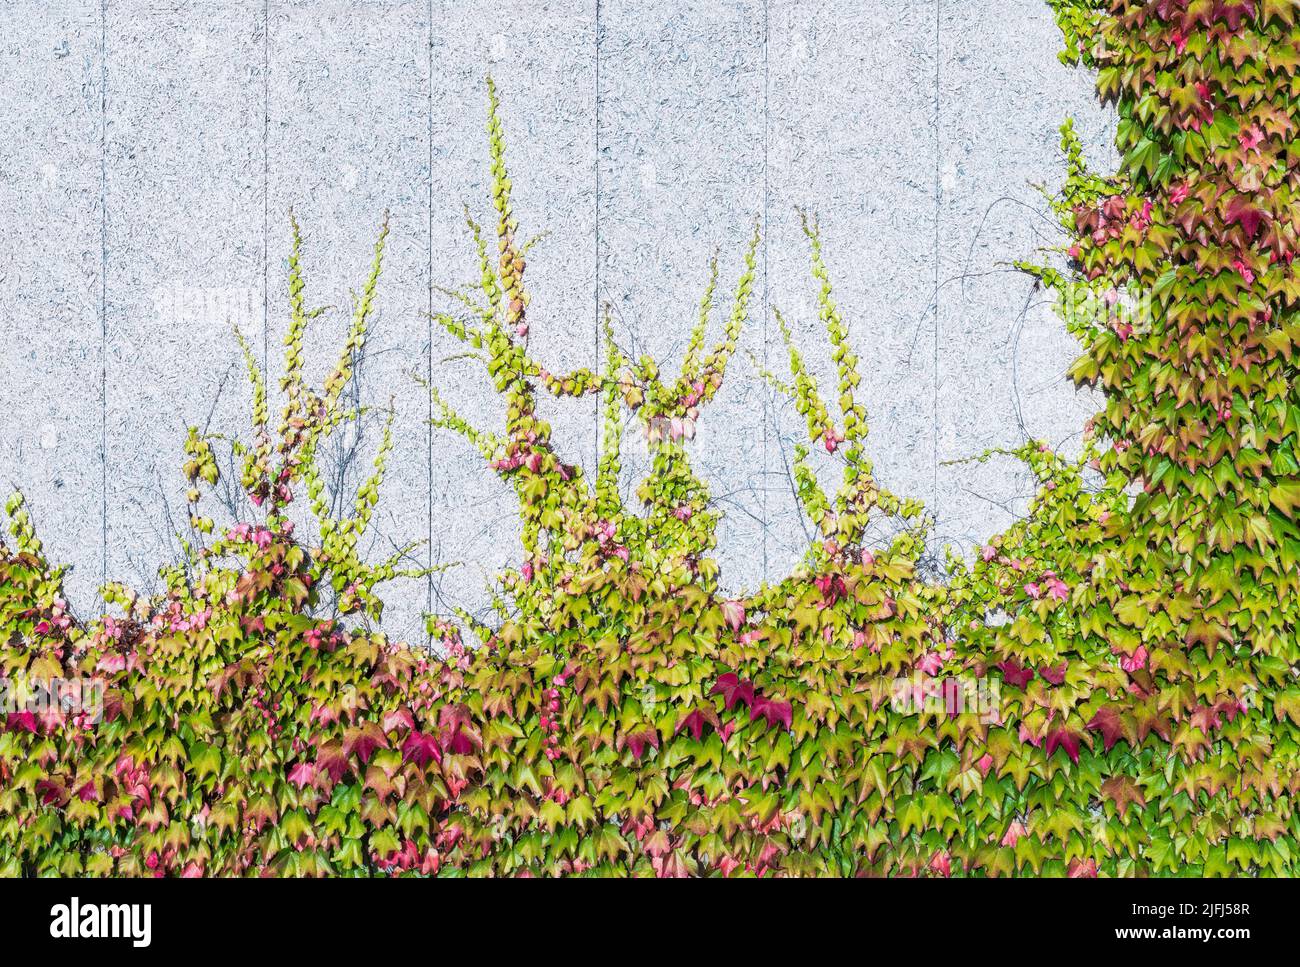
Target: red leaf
(332, 760)
(637, 741)
(773, 711)
(23, 721)
(451, 717)
(1234, 12)
(421, 749)
(459, 743)
(734, 690)
(363, 740)
(693, 721)
(1054, 674)
(1108, 723)
(1065, 739)
(1014, 674)
(51, 793)
(1242, 212)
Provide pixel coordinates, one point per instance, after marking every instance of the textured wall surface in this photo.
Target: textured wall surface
(152, 149)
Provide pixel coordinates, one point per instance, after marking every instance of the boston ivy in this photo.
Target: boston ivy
(1117, 672)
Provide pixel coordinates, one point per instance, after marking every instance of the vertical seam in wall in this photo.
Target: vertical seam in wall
(767, 234)
(103, 291)
(429, 316)
(266, 190)
(938, 207)
(596, 281)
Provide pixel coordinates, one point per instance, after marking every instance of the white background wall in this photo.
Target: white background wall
(150, 151)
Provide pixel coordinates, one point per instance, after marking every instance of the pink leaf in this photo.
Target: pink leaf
(734, 613)
(421, 749)
(303, 774)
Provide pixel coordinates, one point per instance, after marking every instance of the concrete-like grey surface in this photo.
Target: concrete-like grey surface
(682, 124)
(182, 254)
(51, 292)
(853, 141)
(153, 148)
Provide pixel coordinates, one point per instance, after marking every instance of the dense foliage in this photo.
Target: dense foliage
(1110, 689)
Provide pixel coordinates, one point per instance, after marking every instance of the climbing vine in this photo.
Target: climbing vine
(1110, 688)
